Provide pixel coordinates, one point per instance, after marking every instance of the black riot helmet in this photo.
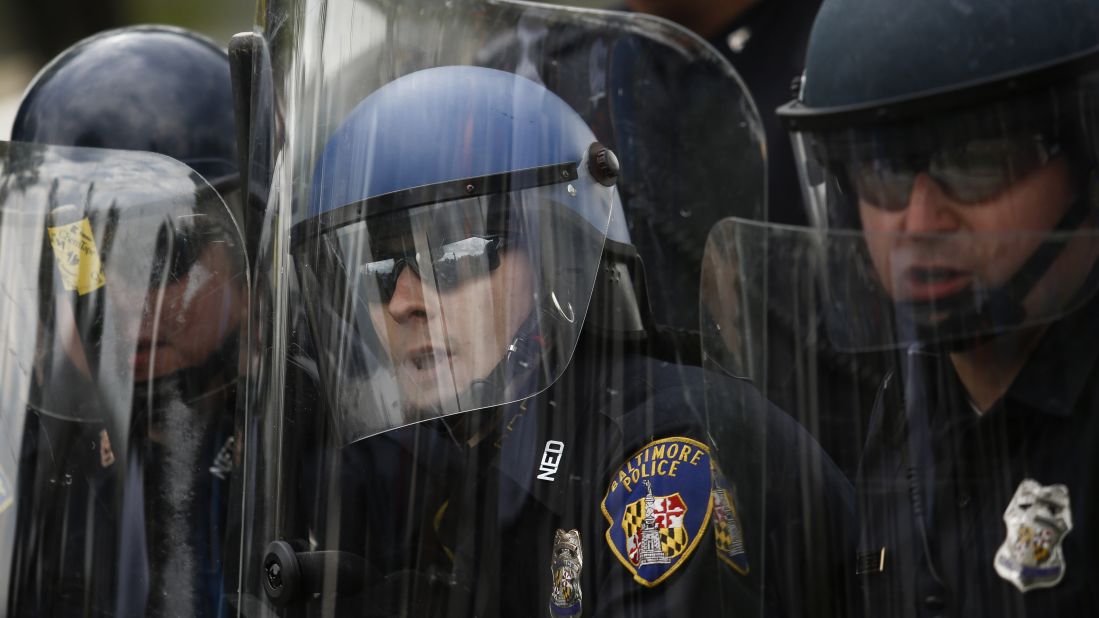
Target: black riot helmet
(947, 155)
(154, 88)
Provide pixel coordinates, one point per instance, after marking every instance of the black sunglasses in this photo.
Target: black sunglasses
(970, 172)
(177, 251)
(455, 263)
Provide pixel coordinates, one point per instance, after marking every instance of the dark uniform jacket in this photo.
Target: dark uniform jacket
(102, 531)
(937, 479)
(465, 517)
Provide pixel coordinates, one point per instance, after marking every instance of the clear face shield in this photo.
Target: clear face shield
(957, 245)
(799, 475)
(125, 295)
(959, 228)
(448, 307)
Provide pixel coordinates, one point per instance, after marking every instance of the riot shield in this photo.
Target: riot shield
(791, 464)
(967, 378)
(124, 299)
(428, 473)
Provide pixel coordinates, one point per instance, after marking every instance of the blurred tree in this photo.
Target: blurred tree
(46, 27)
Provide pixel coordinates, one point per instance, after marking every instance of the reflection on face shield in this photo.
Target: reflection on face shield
(192, 302)
(448, 305)
(177, 250)
(444, 324)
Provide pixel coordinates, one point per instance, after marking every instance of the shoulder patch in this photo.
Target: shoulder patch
(728, 535)
(658, 506)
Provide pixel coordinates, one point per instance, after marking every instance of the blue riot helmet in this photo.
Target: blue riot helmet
(456, 225)
(1005, 96)
(154, 88)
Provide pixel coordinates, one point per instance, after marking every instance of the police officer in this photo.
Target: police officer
(176, 312)
(491, 433)
(949, 154)
(552, 465)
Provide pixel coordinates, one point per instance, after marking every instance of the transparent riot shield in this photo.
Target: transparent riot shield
(795, 504)
(960, 442)
(122, 316)
(462, 359)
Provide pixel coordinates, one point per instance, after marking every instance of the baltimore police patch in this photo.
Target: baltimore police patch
(658, 506)
(728, 534)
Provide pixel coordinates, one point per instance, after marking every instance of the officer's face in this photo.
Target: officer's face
(936, 245)
(440, 342)
(187, 318)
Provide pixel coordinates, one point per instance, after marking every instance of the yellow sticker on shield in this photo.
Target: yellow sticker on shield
(77, 257)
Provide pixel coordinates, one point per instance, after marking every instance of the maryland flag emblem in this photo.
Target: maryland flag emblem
(728, 534)
(657, 507)
(654, 528)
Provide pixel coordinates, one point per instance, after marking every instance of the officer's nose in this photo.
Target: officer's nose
(930, 210)
(407, 301)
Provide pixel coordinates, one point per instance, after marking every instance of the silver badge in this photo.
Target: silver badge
(1037, 520)
(568, 561)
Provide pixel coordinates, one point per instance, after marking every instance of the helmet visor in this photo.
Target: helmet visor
(954, 228)
(124, 296)
(882, 290)
(448, 307)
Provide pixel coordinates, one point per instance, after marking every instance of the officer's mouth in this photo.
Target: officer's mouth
(427, 361)
(145, 353)
(928, 282)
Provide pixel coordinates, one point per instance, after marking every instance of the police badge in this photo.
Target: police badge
(1037, 520)
(568, 561)
(657, 506)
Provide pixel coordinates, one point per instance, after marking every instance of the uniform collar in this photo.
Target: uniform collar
(1051, 381)
(1058, 370)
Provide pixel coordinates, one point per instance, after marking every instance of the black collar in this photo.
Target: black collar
(1056, 373)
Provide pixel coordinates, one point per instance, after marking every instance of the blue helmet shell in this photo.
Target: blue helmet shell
(446, 124)
(151, 88)
(864, 52)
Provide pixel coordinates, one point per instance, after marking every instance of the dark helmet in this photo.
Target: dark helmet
(973, 96)
(152, 88)
(472, 133)
(444, 171)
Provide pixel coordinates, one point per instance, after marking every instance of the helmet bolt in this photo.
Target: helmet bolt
(602, 164)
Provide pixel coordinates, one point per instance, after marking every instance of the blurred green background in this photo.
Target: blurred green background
(34, 31)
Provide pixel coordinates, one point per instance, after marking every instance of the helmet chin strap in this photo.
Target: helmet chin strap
(976, 316)
(518, 369)
(521, 359)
